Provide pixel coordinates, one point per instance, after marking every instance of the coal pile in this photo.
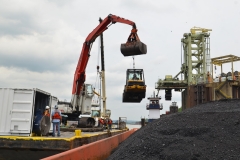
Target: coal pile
(205, 132)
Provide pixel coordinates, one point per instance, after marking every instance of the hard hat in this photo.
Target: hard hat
(56, 107)
(47, 107)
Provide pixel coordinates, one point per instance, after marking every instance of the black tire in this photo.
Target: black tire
(45, 125)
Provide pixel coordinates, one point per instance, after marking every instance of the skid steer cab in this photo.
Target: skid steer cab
(135, 88)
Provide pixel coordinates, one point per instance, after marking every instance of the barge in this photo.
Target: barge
(20, 128)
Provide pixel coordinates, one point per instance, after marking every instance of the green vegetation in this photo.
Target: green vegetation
(180, 109)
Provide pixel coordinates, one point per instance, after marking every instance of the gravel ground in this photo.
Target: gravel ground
(205, 132)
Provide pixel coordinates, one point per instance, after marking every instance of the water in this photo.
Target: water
(131, 126)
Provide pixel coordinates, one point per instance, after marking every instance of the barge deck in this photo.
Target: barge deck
(19, 147)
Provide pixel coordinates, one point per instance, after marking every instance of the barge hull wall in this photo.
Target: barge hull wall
(97, 150)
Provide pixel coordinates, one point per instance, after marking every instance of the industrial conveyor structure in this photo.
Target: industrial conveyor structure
(196, 82)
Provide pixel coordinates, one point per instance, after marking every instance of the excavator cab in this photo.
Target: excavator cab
(135, 88)
(133, 46)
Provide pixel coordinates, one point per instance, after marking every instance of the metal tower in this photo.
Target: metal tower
(196, 49)
(195, 66)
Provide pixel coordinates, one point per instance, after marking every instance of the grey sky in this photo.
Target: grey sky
(41, 41)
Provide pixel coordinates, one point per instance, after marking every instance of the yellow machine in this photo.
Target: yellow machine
(135, 88)
(195, 30)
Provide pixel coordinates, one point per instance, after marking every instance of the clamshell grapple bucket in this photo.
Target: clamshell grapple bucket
(133, 48)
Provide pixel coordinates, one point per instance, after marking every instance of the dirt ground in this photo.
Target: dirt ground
(208, 131)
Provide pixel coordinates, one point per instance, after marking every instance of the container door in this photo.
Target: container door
(53, 102)
(41, 100)
(18, 108)
(6, 95)
(21, 112)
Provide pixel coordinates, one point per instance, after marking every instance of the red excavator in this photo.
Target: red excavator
(132, 47)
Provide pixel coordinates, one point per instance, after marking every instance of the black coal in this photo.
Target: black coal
(205, 132)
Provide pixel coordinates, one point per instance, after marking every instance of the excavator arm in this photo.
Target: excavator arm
(133, 46)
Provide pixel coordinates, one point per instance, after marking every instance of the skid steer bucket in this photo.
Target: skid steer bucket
(128, 99)
(133, 48)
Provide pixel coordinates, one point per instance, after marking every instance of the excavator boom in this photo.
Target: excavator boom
(82, 93)
(132, 47)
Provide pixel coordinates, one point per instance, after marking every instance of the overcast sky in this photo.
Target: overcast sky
(41, 41)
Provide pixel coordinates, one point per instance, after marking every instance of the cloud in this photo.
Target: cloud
(41, 41)
(41, 52)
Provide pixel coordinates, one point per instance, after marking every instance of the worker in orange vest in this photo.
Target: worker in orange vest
(47, 112)
(110, 124)
(101, 121)
(45, 121)
(56, 120)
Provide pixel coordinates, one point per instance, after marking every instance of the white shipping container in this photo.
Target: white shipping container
(20, 108)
